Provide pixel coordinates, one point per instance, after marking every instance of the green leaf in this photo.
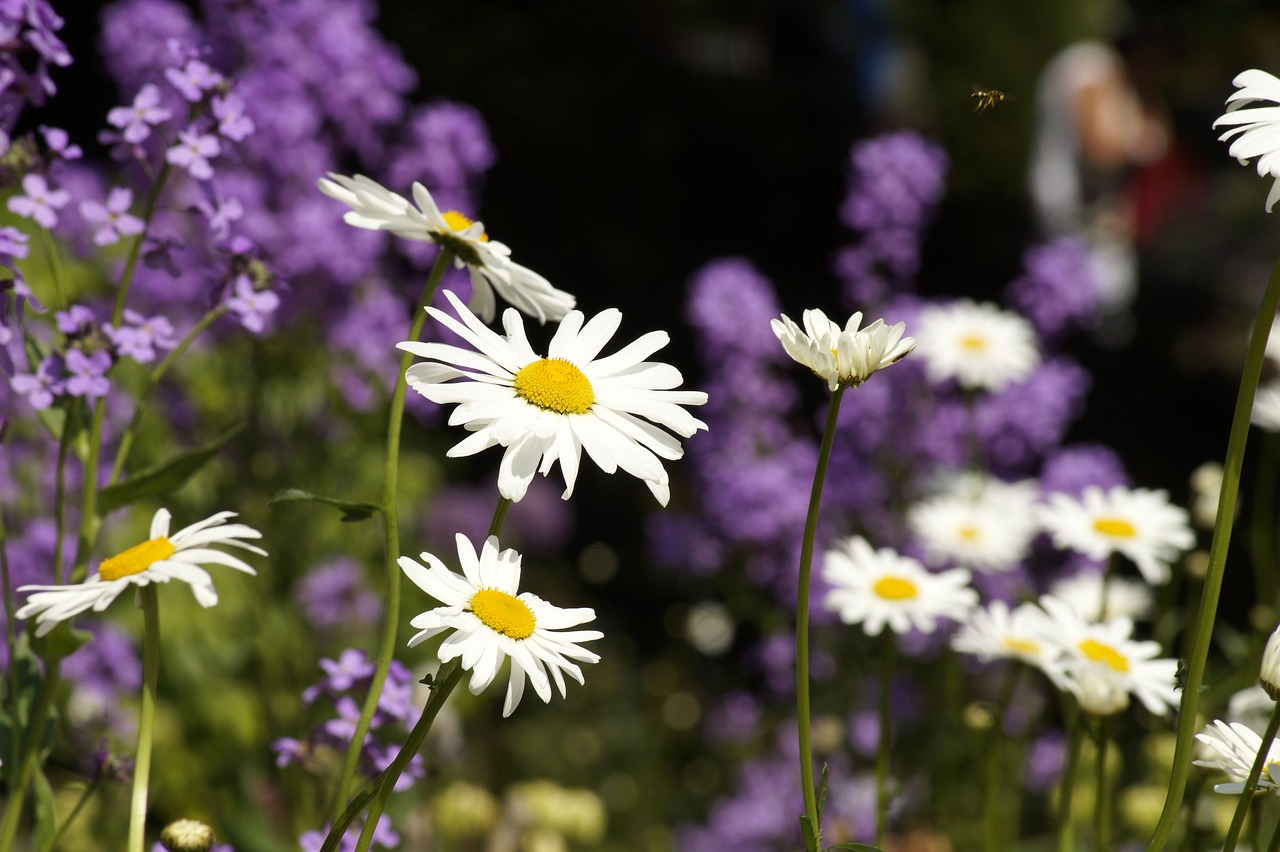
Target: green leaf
(853, 847)
(822, 792)
(46, 815)
(351, 510)
(164, 477)
(810, 834)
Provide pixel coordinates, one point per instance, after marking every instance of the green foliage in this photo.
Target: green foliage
(166, 476)
(351, 510)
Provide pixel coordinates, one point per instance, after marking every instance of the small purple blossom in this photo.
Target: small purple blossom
(40, 202)
(383, 835)
(40, 388)
(193, 152)
(87, 374)
(13, 244)
(232, 121)
(58, 141)
(288, 751)
(252, 306)
(113, 218)
(74, 319)
(193, 80)
(335, 596)
(136, 120)
(1059, 289)
(351, 667)
(220, 212)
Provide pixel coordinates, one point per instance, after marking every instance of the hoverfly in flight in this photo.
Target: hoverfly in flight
(987, 98)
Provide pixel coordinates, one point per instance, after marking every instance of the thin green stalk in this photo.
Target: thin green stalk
(391, 539)
(60, 491)
(1190, 705)
(996, 819)
(146, 717)
(1067, 787)
(1274, 845)
(1251, 782)
(499, 515)
(807, 788)
(30, 748)
(887, 655)
(10, 636)
(55, 268)
(1261, 528)
(89, 790)
(127, 438)
(131, 263)
(1102, 791)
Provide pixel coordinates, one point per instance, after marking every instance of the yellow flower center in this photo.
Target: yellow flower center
(457, 222)
(895, 589)
(1115, 528)
(969, 533)
(136, 559)
(1021, 646)
(1101, 653)
(503, 613)
(973, 342)
(556, 385)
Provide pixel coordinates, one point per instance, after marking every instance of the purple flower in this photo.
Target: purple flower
(220, 212)
(1072, 469)
(57, 139)
(343, 728)
(137, 120)
(1059, 289)
(41, 388)
(13, 244)
(193, 152)
(40, 202)
(897, 179)
(731, 304)
(383, 835)
(73, 320)
(87, 374)
(193, 80)
(250, 305)
(288, 750)
(113, 219)
(335, 595)
(232, 122)
(351, 667)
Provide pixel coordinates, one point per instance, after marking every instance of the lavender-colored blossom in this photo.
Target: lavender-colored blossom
(192, 152)
(1072, 469)
(384, 835)
(39, 201)
(289, 751)
(730, 304)
(396, 700)
(101, 673)
(193, 79)
(252, 306)
(1023, 422)
(1046, 759)
(335, 596)
(1059, 289)
(58, 142)
(896, 179)
(40, 388)
(220, 212)
(74, 320)
(351, 666)
(343, 728)
(156, 331)
(113, 219)
(136, 120)
(232, 121)
(87, 374)
(448, 146)
(135, 35)
(13, 244)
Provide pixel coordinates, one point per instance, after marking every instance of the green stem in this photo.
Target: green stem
(146, 717)
(995, 819)
(885, 717)
(131, 264)
(1251, 782)
(60, 491)
(499, 515)
(157, 374)
(1264, 514)
(30, 748)
(391, 544)
(89, 790)
(55, 268)
(802, 624)
(1274, 845)
(10, 634)
(1102, 791)
(1217, 562)
(1067, 787)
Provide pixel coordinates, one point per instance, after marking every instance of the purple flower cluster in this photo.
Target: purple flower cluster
(102, 674)
(384, 835)
(1059, 288)
(28, 31)
(335, 597)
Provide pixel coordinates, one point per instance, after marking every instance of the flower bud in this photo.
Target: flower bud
(187, 835)
(1098, 694)
(1269, 675)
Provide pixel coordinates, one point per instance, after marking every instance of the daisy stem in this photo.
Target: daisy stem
(60, 491)
(1274, 845)
(1102, 791)
(1067, 787)
(1217, 561)
(1251, 782)
(1264, 513)
(146, 717)
(802, 624)
(885, 719)
(391, 539)
(996, 818)
(127, 438)
(91, 788)
(55, 268)
(499, 515)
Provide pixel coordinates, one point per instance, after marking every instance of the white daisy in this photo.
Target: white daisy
(544, 410)
(492, 621)
(842, 356)
(878, 587)
(994, 632)
(162, 558)
(376, 208)
(1107, 649)
(1082, 592)
(1257, 130)
(1136, 522)
(1266, 407)
(978, 345)
(986, 524)
(1233, 747)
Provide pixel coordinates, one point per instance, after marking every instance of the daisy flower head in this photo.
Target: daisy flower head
(163, 557)
(878, 587)
(842, 356)
(1083, 592)
(988, 525)
(976, 344)
(1232, 747)
(376, 208)
(1256, 130)
(995, 632)
(492, 620)
(548, 409)
(1138, 523)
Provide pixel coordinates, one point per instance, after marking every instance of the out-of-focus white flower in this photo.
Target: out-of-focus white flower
(1256, 129)
(978, 345)
(842, 356)
(1266, 407)
(1269, 674)
(1232, 748)
(994, 632)
(1082, 592)
(982, 523)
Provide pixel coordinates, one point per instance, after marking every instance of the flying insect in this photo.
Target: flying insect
(987, 98)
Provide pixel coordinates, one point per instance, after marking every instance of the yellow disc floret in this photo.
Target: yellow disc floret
(136, 559)
(1115, 528)
(458, 222)
(973, 343)
(895, 589)
(556, 385)
(1100, 652)
(503, 613)
(1025, 647)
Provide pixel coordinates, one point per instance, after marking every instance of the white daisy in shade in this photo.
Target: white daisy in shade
(1232, 747)
(1266, 407)
(978, 345)
(1082, 592)
(1138, 523)
(376, 208)
(1256, 131)
(994, 632)
(1106, 649)
(162, 558)
(878, 587)
(492, 620)
(842, 356)
(544, 410)
(986, 524)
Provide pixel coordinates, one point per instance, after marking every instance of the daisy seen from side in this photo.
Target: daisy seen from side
(995, 632)
(544, 410)
(842, 356)
(1255, 129)
(163, 557)
(876, 588)
(1232, 747)
(976, 344)
(1139, 523)
(376, 208)
(493, 621)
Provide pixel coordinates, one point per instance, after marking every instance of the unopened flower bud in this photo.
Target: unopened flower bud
(1269, 675)
(1098, 694)
(187, 835)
